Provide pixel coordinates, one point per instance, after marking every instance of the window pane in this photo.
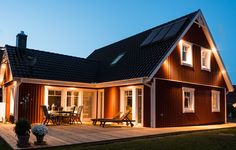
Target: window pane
(69, 93)
(184, 53)
(68, 102)
(88, 104)
(50, 92)
(54, 102)
(58, 92)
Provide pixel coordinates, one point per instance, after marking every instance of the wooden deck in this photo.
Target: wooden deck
(87, 134)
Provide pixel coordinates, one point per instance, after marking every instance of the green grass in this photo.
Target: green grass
(224, 139)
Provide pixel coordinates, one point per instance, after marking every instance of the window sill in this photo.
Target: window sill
(205, 69)
(188, 111)
(215, 111)
(186, 64)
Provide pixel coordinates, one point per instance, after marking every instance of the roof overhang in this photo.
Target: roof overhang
(81, 84)
(213, 47)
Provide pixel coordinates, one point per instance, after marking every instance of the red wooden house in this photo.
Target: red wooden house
(170, 75)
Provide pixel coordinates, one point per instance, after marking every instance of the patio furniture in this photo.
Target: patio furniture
(99, 119)
(123, 118)
(76, 117)
(48, 117)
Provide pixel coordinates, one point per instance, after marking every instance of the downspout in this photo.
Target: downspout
(152, 86)
(16, 109)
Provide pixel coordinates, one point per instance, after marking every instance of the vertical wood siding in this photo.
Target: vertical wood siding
(169, 105)
(169, 93)
(111, 101)
(146, 107)
(172, 68)
(33, 111)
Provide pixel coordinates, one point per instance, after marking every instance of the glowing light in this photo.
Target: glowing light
(223, 71)
(14, 83)
(3, 66)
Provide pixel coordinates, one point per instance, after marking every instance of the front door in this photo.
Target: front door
(132, 100)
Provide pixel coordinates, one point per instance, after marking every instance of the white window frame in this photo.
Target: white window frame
(217, 101)
(191, 109)
(208, 59)
(189, 54)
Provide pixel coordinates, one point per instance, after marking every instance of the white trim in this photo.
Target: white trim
(217, 55)
(134, 101)
(193, 83)
(213, 47)
(192, 98)
(100, 102)
(153, 104)
(225, 100)
(189, 53)
(171, 49)
(217, 101)
(81, 84)
(208, 59)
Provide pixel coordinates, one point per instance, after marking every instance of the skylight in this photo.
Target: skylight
(117, 59)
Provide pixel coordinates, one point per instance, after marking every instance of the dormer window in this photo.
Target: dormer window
(205, 59)
(117, 59)
(186, 53)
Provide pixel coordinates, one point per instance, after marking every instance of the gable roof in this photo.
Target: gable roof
(142, 52)
(139, 56)
(29, 63)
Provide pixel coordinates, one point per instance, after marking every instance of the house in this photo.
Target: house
(170, 75)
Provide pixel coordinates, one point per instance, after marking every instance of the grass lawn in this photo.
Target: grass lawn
(224, 139)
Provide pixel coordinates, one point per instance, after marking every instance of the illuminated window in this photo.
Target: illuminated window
(69, 97)
(205, 59)
(117, 59)
(186, 54)
(54, 99)
(188, 100)
(215, 101)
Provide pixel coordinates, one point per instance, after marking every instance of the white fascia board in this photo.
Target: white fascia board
(81, 84)
(217, 55)
(172, 48)
(213, 47)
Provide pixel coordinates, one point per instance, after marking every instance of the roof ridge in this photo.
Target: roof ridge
(54, 53)
(158, 26)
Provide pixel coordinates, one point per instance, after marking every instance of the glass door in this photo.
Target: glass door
(89, 105)
(128, 102)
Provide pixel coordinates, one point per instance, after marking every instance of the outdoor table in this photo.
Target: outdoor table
(63, 114)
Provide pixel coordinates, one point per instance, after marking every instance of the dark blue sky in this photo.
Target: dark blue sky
(76, 27)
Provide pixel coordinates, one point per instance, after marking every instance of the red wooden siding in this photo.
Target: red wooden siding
(111, 101)
(169, 105)
(172, 68)
(169, 93)
(146, 107)
(33, 111)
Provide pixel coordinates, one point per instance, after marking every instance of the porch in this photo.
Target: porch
(88, 134)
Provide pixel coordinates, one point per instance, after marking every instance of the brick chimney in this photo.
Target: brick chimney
(21, 40)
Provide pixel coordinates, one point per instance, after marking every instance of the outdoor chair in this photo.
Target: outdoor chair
(48, 117)
(117, 116)
(122, 119)
(76, 117)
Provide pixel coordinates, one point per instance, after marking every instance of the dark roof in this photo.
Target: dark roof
(231, 96)
(142, 54)
(29, 63)
(136, 56)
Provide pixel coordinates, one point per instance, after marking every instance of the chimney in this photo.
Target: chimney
(21, 40)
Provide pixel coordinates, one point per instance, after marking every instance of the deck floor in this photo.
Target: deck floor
(82, 134)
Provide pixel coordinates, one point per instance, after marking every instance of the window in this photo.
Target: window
(215, 101)
(76, 98)
(54, 99)
(205, 59)
(188, 100)
(186, 54)
(117, 59)
(69, 98)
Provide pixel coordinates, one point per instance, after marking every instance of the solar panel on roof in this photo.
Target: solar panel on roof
(150, 37)
(175, 29)
(162, 33)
